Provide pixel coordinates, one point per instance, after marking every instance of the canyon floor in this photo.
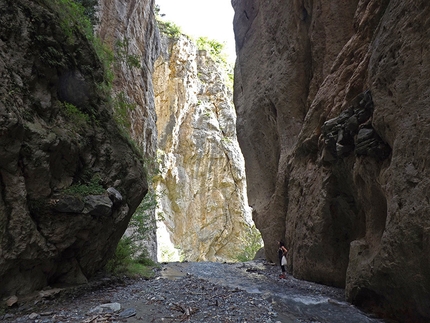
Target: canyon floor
(193, 292)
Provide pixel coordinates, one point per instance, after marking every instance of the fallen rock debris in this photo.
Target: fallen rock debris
(183, 299)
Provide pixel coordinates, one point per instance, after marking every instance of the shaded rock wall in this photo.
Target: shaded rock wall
(132, 24)
(333, 120)
(202, 179)
(129, 29)
(69, 178)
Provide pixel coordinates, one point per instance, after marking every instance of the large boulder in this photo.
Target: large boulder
(60, 149)
(332, 102)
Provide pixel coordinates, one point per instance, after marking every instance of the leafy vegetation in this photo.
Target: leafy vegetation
(75, 115)
(253, 243)
(122, 49)
(123, 262)
(170, 29)
(216, 51)
(107, 57)
(89, 9)
(93, 187)
(213, 47)
(143, 220)
(73, 19)
(122, 106)
(130, 257)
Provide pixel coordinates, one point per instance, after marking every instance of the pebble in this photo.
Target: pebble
(106, 308)
(129, 312)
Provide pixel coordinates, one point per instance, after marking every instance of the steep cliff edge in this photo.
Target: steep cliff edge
(69, 178)
(201, 183)
(333, 121)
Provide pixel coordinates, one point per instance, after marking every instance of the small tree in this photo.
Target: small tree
(130, 256)
(170, 29)
(253, 242)
(214, 48)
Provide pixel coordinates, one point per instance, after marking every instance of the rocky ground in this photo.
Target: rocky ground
(175, 295)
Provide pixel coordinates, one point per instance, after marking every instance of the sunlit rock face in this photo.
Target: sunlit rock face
(70, 179)
(202, 179)
(333, 120)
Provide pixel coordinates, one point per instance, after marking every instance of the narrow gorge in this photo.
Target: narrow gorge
(325, 146)
(80, 147)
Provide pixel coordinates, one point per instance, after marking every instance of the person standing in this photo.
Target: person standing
(282, 254)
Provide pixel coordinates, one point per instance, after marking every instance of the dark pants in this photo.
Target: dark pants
(280, 263)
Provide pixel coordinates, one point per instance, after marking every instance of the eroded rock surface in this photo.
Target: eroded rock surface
(69, 178)
(202, 180)
(346, 190)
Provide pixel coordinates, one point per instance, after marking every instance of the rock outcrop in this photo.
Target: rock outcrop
(201, 184)
(69, 178)
(332, 103)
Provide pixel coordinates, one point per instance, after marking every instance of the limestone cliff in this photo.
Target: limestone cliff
(69, 177)
(201, 184)
(333, 120)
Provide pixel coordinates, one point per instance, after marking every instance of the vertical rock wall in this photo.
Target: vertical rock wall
(333, 120)
(129, 29)
(133, 24)
(202, 180)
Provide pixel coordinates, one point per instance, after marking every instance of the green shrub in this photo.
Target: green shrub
(73, 18)
(214, 48)
(143, 219)
(121, 50)
(107, 57)
(253, 243)
(130, 257)
(170, 29)
(74, 115)
(89, 9)
(83, 189)
(123, 262)
(121, 259)
(122, 106)
(144, 259)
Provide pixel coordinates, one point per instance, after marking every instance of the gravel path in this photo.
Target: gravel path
(192, 292)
